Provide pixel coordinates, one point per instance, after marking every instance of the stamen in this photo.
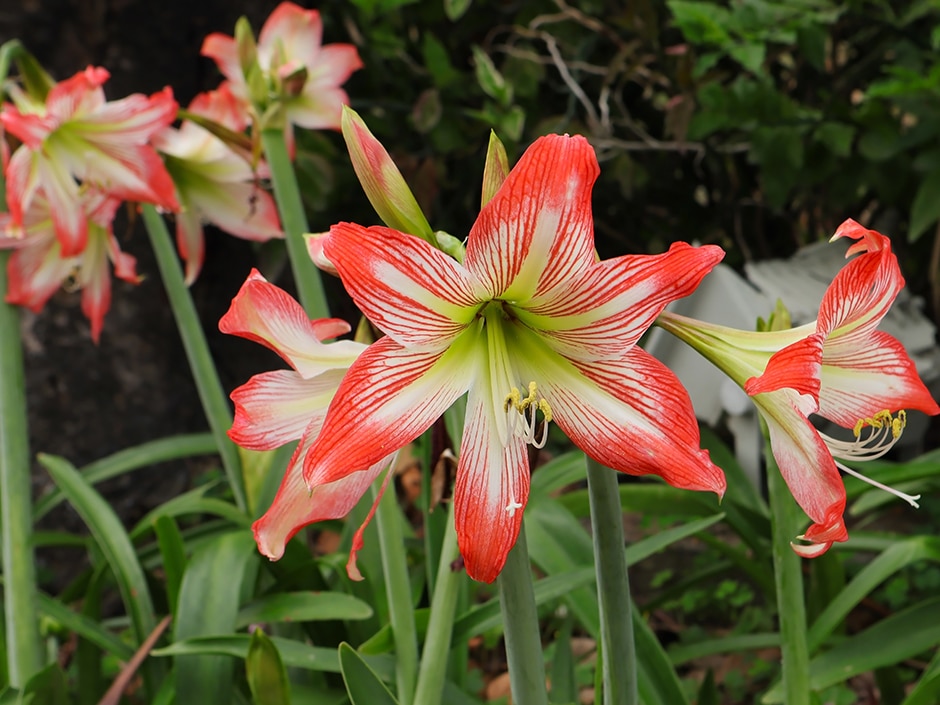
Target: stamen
(884, 430)
(526, 408)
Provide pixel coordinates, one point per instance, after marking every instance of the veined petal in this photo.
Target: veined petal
(859, 297)
(606, 310)
(274, 408)
(807, 467)
(68, 214)
(795, 367)
(190, 240)
(31, 129)
(389, 397)
(491, 489)
(295, 506)
(858, 383)
(868, 240)
(631, 414)
(537, 232)
(131, 120)
(95, 280)
(35, 272)
(78, 95)
(22, 177)
(266, 314)
(412, 291)
(241, 209)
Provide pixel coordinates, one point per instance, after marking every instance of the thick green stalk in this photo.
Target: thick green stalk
(214, 403)
(791, 608)
(613, 587)
(521, 628)
(441, 622)
(398, 589)
(24, 647)
(294, 220)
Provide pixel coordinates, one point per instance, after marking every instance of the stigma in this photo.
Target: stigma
(874, 436)
(523, 414)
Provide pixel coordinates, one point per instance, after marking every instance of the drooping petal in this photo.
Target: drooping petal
(295, 505)
(491, 489)
(859, 383)
(35, 272)
(95, 280)
(795, 367)
(334, 64)
(241, 209)
(266, 314)
(867, 240)
(30, 128)
(190, 240)
(412, 291)
(807, 467)
(607, 309)
(274, 408)
(65, 206)
(389, 397)
(537, 232)
(631, 414)
(22, 177)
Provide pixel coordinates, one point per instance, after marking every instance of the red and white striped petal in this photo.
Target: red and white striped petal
(798, 367)
(241, 209)
(607, 309)
(22, 177)
(222, 49)
(334, 64)
(389, 397)
(867, 240)
(35, 272)
(296, 506)
(268, 315)
(857, 384)
(30, 128)
(65, 205)
(537, 232)
(190, 240)
(412, 291)
(807, 467)
(633, 415)
(491, 489)
(77, 96)
(274, 408)
(131, 120)
(859, 297)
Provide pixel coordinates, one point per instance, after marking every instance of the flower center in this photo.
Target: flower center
(525, 410)
(874, 436)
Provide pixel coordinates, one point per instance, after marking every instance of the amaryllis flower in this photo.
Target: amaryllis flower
(302, 74)
(839, 367)
(77, 140)
(275, 408)
(534, 328)
(214, 183)
(38, 268)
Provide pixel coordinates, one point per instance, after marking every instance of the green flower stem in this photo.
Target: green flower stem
(441, 622)
(214, 403)
(791, 608)
(388, 519)
(294, 220)
(521, 628)
(613, 587)
(23, 644)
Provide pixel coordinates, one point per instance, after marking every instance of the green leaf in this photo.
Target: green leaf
(267, 678)
(889, 562)
(362, 684)
(490, 79)
(564, 684)
(208, 604)
(192, 502)
(144, 455)
(83, 626)
(836, 136)
(173, 551)
(925, 211)
(111, 538)
(701, 22)
(437, 62)
(722, 645)
(455, 9)
(47, 687)
(894, 639)
(303, 607)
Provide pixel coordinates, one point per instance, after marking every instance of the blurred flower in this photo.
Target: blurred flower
(76, 140)
(275, 408)
(214, 183)
(535, 328)
(838, 367)
(38, 266)
(290, 67)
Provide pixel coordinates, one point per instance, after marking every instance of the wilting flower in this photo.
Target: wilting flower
(38, 267)
(275, 408)
(535, 328)
(839, 367)
(214, 183)
(292, 66)
(77, 140)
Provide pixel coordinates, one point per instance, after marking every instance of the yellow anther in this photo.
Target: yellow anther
(881, 420)
(546, 410)
(528, 407)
